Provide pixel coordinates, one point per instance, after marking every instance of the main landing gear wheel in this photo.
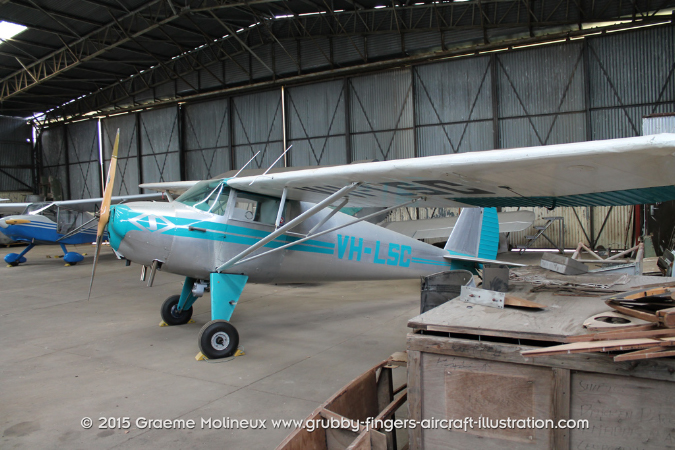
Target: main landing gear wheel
(218, 339)
(170, 313)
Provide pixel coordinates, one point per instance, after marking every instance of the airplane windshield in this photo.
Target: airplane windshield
(47, 209)
(209, 196)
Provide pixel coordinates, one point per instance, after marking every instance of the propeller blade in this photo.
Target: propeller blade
(76, 230)
(104, 214)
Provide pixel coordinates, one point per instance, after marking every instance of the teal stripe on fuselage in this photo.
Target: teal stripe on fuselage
(216, 231)
(430, 262)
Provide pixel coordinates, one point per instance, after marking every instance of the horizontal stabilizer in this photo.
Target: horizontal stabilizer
(478, 260)
(440, 228)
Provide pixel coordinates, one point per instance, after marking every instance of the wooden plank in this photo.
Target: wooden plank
(646, 293)
(561, 407)
(633, 313)
(415, 397)
(385, 388)
(392, 407)
(666, 317)
(358, 400)
(496, 333)
(378, 441)
(662, 369)
(339, 438)
(301, 439)
(385, 394)
(629, 334)
(362, 442)
(648, 353)
(512, 300)
(596, 346)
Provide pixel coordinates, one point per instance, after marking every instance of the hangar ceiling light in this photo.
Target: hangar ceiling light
(8, 30)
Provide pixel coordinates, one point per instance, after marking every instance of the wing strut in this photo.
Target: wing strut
(300, 241)
(292, 224)
(328, 217)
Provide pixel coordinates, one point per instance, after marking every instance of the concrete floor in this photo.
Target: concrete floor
(64, 358)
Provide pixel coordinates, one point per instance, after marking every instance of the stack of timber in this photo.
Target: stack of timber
(655, 306)
(370, 396)
(465, 361)
(649, 344)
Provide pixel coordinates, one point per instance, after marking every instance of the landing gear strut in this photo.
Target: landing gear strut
(218, 338)
(14, 259)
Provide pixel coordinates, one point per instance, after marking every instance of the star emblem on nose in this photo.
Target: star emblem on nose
(152, 223)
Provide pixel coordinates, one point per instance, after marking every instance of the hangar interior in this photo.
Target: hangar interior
(197, 87)
(340, 82)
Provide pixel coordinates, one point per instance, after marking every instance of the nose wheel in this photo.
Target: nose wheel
(170, 313)
(218, 339)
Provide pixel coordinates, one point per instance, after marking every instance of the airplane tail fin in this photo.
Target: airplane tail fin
(476, 234)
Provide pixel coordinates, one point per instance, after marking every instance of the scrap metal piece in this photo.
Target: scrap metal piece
(562, 264)
(483, 297)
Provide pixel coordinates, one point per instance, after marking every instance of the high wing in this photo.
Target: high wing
(85, 204)
(612, 172)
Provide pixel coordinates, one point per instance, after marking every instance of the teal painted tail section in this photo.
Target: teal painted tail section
(475, 234)
(489, 234)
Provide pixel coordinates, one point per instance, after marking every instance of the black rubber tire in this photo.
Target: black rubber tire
(169, 314)
(13, 264)
(213, 331)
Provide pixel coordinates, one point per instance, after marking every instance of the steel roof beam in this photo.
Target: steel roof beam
(101, 40)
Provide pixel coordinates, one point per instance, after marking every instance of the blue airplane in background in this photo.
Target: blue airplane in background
(68, 222)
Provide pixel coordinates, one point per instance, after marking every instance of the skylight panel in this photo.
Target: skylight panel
(8, 30)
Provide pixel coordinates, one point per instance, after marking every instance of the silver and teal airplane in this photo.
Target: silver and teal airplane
(288, 227)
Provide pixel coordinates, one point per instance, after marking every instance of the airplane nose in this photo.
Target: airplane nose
(3, 223)
(141, 231)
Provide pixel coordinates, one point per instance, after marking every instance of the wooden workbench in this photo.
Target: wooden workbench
(465, 362)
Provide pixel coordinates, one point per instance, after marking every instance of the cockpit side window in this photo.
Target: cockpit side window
(209, 196)
(256, 208)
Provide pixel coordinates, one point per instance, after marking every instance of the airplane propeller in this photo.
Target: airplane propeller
(104, 213)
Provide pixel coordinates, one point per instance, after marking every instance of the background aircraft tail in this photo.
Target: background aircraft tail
(476, 234)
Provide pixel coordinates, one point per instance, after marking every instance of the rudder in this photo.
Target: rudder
(475, 234)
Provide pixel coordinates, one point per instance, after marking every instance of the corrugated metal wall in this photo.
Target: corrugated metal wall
(453, 106)
(127, 177)
(206, 130)
(83, 160)
(54, 161)
(593, 88)
(16, 160)
(160, 141)
(381, 116)
(257, 126)
(316, 124)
